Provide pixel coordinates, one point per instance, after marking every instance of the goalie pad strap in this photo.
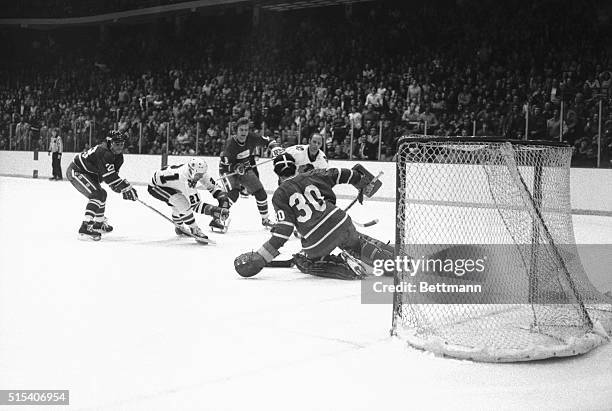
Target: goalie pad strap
(329, 267)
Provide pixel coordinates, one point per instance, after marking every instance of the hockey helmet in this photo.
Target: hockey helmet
(197, 166)
(284, 165)
(116, 136)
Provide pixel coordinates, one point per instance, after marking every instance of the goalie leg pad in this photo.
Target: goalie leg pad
(371, 249)
(330, 266)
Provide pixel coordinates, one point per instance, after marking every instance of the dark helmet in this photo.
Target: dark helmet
(284, 165)
(116, 136)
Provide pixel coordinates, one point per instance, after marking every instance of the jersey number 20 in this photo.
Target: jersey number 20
(311, 198)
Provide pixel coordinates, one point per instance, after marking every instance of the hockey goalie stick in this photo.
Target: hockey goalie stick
(199, 240)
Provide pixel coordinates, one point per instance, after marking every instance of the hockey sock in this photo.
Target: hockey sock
(177, 219)
(95, 208)
(262, 202)
(189, 219)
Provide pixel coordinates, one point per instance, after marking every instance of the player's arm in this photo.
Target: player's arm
(111, 177)
(282, 230)
(267, 143)
(357, 176)
(217, 192)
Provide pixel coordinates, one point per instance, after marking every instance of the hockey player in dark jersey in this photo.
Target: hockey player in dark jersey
(306, 202)
(88, 170)
(236, 166)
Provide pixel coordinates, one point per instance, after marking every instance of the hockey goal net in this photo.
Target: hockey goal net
(504, 206)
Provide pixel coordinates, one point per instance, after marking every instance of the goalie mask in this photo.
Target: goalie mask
(284, 165)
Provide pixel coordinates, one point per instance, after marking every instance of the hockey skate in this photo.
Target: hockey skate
(198, 234)
(181, 231)
(87, 231)
(102, 226)
(219, 226)
(354, 264)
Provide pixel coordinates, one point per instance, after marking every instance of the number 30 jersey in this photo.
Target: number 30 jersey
(307, 203)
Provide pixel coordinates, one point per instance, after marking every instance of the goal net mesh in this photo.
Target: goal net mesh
(506, 208)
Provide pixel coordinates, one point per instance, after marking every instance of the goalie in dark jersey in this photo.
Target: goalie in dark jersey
(306, 202)
(237, 169)
(88, 170)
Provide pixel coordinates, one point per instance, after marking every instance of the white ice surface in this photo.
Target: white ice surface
(145, 321)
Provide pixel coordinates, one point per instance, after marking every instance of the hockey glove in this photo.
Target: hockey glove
(239, 168)
(216, 212)
(368, 185)
(249, 264)
(130, 194)
(223, 200)
(120, 186)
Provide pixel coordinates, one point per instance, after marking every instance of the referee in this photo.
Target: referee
(55, 149)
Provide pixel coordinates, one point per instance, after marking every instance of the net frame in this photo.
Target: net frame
(591, 334)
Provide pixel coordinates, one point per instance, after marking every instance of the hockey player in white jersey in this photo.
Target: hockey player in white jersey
(307, 156)
(176, 186)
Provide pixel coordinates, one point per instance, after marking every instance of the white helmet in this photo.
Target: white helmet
(197, 166)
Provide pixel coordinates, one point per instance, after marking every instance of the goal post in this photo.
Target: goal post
(503, 207)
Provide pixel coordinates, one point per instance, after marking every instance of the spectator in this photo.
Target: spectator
(55, 150)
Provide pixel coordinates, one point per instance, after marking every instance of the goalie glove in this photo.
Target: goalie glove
(249, 264)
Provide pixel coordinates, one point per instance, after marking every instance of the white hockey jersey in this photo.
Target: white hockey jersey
(178, 177)
(303, 158)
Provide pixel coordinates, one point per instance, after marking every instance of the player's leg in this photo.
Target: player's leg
(318, 260)
(254, 186)
(366, 249)
(182, 214)
(232, 186)
(96, 196)
(221, 224)
(163, 194)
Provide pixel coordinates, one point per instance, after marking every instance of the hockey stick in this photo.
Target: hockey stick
(246, 168)
(368, 223)
(199, 240)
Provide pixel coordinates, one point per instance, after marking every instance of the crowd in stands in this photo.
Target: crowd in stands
(72, 8)
(368, 74)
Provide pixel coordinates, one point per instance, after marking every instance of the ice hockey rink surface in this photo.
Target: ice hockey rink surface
(143, 320)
